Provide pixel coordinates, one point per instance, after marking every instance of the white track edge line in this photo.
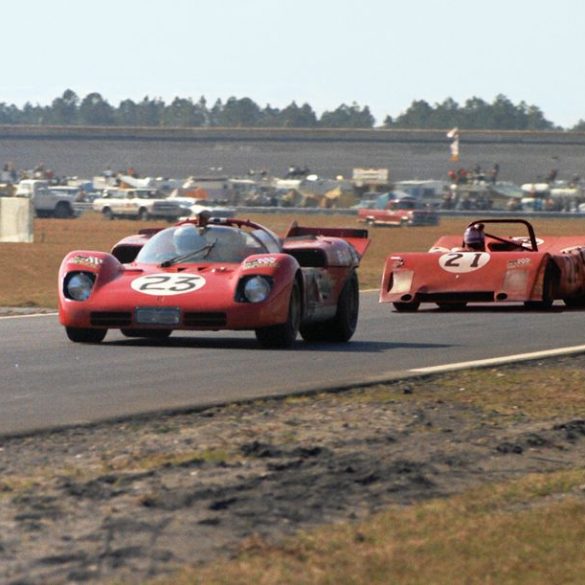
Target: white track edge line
(500, 360)
(29, 315)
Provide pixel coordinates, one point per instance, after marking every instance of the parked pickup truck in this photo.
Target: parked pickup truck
(48, 200)
(138, 204)
(405, 211)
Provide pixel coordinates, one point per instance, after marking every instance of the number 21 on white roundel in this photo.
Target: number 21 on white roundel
(167, 284)
(463, 261)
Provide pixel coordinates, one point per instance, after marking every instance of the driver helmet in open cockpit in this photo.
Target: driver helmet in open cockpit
(188, 239)
(474, 237)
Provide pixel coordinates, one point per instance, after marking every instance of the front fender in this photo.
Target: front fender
(281, 269)
(105, 266)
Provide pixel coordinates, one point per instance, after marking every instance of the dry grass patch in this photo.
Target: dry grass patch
(484, 536)
(531, 391)
(525, 391)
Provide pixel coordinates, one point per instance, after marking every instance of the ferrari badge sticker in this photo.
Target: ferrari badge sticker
(168, 284)
(463, 261)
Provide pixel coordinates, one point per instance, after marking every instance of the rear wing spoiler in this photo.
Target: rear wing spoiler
(358, 238)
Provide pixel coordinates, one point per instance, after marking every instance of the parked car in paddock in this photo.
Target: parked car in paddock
(401, 211)
(140, 204)
(50, 200)
(213, 274)
(495, 268)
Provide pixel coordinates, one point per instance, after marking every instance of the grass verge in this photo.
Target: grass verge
(526, 532)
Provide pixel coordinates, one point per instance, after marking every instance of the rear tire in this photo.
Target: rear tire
(575, 302)
(283, 335)
(341, 328)
(107, 213)
(83, 335)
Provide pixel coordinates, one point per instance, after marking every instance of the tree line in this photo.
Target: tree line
(95, 110)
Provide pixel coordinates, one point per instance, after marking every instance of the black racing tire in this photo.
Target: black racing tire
(283, 336)
(107, 213)
(341, 328)
(149, 333)
(83, 335)
(575, 302)
(143, 214)
(407, 307)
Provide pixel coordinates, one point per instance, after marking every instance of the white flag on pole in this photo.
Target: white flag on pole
(453, 134)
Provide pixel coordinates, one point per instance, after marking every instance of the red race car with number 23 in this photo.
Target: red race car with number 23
(217, 273)
(489, 267)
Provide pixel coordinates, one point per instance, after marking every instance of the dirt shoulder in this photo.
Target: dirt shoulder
(141, 498)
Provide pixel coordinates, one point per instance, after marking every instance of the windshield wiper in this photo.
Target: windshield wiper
(177, 259)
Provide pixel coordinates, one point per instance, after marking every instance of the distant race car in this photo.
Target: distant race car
(212, 274)
(507, 269)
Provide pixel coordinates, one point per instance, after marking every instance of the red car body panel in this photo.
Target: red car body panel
(113, 293)
(552, 268)
(205, 294)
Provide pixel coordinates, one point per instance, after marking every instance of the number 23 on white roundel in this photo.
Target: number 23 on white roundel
(463, 261)
(168, 284)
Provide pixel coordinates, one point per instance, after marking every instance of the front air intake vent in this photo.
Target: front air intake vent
(204, 319)
(457, 297)
(111, 318)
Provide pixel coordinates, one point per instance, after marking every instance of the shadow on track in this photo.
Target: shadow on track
(234, 343)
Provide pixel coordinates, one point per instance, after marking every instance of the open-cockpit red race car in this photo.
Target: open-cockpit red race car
(496, 261)
(213, 274)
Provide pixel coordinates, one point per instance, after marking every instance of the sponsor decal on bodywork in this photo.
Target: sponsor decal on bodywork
(519, 262)
(264, 262)
(168, 284)
(92, 261)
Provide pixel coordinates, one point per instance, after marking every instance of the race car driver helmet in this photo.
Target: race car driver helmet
(474, 237)
(229, 244)
(187, 238)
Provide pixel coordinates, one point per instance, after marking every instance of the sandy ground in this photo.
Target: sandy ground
(141, 498)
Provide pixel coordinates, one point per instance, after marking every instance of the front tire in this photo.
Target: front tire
(283, 336)
(83, 335)
(341, 328)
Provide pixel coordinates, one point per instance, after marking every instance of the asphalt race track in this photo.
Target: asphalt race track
(46, 381)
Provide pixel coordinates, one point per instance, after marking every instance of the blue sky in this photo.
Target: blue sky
(380, 53)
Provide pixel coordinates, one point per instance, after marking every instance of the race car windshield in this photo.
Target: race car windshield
(189, 243)
(202, 252)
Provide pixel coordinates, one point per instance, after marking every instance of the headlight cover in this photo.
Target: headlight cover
(256, 289)
(78, 285)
